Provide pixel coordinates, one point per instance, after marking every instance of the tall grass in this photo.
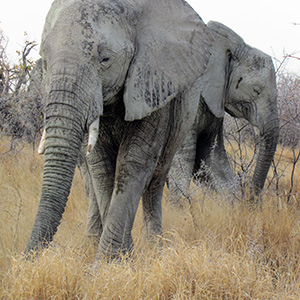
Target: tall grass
(219, 251)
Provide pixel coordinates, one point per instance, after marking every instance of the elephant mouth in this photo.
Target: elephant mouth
(109, 95)
(242, 108)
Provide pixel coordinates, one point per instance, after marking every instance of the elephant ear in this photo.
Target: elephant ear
(172, 52)
(214, 81)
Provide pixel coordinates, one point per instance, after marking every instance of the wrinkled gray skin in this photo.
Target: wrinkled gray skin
(242, 78)
(136, 64)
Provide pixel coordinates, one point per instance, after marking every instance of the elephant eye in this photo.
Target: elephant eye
(104, 55)
(105, 59)
(238, 83)
(105, 62)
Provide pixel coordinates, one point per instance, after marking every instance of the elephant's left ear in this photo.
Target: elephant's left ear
(173, 49)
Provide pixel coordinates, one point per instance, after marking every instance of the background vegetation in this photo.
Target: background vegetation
(211, 249)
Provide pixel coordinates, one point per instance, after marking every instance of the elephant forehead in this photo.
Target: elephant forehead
(73, 23)
(255, 68)
(113, 36)
(60, 26)
(257, 60)
(92, 11)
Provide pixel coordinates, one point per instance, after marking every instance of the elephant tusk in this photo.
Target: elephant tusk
(93, 136)
(41, 148)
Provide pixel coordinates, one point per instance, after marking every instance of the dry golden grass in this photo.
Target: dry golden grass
(221, 251)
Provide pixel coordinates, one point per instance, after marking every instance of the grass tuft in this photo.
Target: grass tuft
(219, 250)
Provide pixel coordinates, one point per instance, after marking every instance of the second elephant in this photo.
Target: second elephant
(243, 80)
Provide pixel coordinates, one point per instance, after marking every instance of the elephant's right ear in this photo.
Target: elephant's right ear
(172, 52)
(213, 82)
(215, 79)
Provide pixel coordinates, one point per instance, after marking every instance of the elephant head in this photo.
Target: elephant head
(95, 53)
(243, 80)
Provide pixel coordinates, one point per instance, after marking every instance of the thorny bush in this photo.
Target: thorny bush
(21, 93)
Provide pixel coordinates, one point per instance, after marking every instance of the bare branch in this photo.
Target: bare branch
(292, 56)
(24, 67)
(295, 161)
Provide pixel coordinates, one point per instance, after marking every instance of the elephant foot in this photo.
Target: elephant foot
(92, 240)
(115, 256)
(152, 231)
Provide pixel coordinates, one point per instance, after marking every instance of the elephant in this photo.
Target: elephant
(122, 82)
(243, 80)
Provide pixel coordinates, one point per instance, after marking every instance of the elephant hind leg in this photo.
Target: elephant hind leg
(172, 167)
(152, 208)
(181, 171)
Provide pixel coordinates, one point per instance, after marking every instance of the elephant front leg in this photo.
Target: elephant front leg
(129, 186)
(94, 226)
(221, 175)
(94, 223)
(137, 159)
(98, 171)
(101, 166)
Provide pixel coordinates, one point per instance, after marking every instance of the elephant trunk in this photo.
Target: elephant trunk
(65, 121)
(269, 134)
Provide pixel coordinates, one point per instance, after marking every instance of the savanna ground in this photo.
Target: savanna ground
(219, 251)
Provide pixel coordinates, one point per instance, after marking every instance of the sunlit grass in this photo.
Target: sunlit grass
(219, 250)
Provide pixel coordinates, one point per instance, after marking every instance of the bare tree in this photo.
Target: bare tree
(4, 68)
(21, 95)
(289, 109)
(25, 66)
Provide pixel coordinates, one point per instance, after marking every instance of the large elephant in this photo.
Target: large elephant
(135, 64)
(242, 79)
